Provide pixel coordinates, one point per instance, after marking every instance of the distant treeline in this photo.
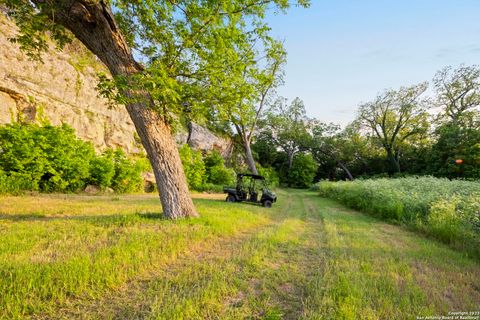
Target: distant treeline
(400, 132)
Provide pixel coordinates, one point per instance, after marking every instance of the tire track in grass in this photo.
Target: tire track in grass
(231, 282)
(259, 274)
(376, 270)
(135, 299)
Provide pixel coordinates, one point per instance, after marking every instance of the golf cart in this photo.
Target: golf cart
(247, 189)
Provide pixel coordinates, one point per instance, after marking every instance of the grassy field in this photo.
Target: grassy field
(446, 210)
(69, 256)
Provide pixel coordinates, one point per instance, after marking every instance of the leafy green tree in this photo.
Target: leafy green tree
(303, 171)
(257, 86)
(288, 127)
(396, 118)
(331, 148)
(189, 51)
(458, 137)
(458, 94)
(265, 152)
(455, 142)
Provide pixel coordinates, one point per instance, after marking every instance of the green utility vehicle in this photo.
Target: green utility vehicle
(248, 188)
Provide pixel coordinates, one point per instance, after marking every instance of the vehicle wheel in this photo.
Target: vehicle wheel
(230, 198)
(267, 204)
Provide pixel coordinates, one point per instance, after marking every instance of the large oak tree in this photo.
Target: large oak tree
(458, 94)
(166, 58)
(289, 127)
(396, 118)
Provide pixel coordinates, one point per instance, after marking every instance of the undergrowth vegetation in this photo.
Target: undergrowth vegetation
(52, 159)
(205, 173)
(447, 210)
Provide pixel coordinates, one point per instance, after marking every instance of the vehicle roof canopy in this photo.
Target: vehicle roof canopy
(253, 176)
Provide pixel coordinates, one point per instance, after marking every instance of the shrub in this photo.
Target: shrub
(221, 176)
(51, 157)
(303, 171)
(193, 167)
(215, 170)
(102, 170)
(128, 173)
(15, 183)
(270, 175)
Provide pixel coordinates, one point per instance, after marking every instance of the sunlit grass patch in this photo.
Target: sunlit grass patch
(377, 270)
(83, 246)
(306, 258)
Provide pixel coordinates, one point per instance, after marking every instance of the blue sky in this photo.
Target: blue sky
(343, 52)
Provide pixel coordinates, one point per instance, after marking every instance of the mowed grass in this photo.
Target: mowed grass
(376, 270)
(55, 249)
(114, 257)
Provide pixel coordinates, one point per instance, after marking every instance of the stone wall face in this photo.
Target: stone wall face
(59, 90)
(62, 89)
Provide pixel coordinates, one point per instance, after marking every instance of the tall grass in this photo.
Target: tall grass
(447, 210)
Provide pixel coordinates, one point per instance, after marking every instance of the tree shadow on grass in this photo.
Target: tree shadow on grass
(113, 219)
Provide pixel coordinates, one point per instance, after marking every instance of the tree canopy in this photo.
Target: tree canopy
(396, 118)
(169, 60)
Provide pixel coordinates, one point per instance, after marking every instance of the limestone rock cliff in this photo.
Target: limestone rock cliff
(62, 89)
(59, 90)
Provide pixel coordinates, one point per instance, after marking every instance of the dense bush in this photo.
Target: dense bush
(270, 175)
(447, 210)
(208, 173)
(193, 166)
(127, 173)
(303, 171)
(15, 183)
(102, 170)
(216, 172)
(53, 159)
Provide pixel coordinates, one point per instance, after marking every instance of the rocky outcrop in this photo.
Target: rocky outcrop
(200, 138)
(62, 89)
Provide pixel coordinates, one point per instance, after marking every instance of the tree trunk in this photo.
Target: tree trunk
(92, 22)
(393, 162)
(290, 160)
(158, 141)
(344, 167)
(249, 157)
(396, 162)
(246, 144)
